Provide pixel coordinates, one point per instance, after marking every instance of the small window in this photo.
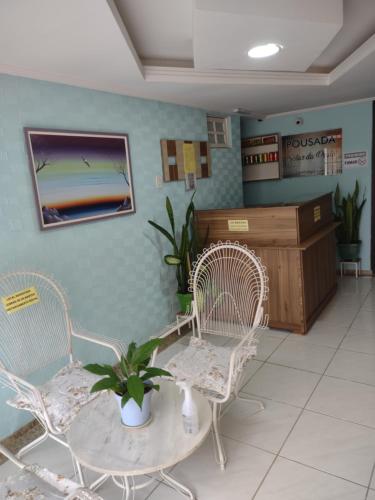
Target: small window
(218, 129)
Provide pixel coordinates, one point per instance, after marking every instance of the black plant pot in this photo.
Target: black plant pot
(349, 251)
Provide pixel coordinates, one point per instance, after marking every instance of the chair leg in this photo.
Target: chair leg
(251, 400)
(219, 449)
(33, 444)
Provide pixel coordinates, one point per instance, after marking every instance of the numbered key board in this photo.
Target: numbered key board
(261, 157)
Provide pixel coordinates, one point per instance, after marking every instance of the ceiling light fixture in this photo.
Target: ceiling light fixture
(267, 50)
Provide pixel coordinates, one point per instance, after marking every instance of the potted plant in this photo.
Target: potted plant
(184, 245)
(348, 211)
(132, 382)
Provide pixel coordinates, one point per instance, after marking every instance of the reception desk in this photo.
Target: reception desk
(296, 242)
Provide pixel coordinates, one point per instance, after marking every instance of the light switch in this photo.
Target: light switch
(158, 181)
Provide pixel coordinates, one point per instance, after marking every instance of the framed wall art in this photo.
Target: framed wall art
(79, 176)
(185, 160)
(314, 153)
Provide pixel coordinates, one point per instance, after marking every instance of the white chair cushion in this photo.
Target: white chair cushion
(203, 365)
(63, 395)
(26, 486)
(38, 483)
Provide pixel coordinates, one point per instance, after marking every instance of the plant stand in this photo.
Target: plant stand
(354, 262)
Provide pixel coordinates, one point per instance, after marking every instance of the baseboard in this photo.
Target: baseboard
(351, 272)
(22, 437)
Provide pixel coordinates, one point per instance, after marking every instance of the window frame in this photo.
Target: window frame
(225, 122)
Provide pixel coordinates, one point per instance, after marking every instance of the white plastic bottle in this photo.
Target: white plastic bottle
(189, 410)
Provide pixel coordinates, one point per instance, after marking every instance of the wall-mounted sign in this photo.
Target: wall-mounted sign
(238, 225)
(317, 215)
(355, 160)
(20, 300)
(315, 153)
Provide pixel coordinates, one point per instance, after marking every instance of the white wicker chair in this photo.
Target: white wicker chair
(33, 482)
(33, 337)
(229, 286)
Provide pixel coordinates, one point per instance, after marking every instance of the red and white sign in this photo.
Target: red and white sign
(355, 160)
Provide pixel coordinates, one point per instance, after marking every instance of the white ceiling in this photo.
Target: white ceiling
(166, 49)
(224, 31)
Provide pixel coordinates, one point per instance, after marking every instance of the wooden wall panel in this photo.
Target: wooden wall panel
(267, 226)
(307, 223)
(285, 304)
(302, 274)
(319, 275)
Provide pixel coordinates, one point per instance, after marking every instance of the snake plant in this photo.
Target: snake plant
(184, 244)
(348, 211)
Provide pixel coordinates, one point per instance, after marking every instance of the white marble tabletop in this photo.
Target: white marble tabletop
(100, 442)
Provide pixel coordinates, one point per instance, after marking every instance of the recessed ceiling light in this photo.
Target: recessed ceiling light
(267, 50)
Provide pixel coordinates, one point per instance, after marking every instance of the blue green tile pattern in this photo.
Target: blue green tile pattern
(111, 269)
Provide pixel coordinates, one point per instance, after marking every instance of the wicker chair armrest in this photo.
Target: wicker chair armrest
(114, 344)
(168, 330)
(27, 390)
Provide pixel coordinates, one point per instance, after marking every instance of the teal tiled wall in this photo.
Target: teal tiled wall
(356, 123)
(111, 269)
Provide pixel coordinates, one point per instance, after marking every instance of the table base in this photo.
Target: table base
(124, 483)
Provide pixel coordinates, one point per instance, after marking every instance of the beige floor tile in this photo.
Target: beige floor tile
(282, 384)
(354, 366)
(341, 448)
(244, 472)
(345, 399)
(302, 355)
(267, 345)
(323, 334)
(289, 480)
(359, 341)
(365, 321)
(266, 429)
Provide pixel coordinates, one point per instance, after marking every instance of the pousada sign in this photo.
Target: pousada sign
(314, 153)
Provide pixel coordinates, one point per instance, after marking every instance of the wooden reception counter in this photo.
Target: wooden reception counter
(296, 242)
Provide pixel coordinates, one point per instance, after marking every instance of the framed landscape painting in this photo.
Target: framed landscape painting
(79, 176)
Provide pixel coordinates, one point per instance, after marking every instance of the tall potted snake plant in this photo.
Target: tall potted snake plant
(184, 250)
(348, 211)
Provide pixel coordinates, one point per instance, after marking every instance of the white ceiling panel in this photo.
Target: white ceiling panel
(160, 29)
(81, 42)
(223, 32)
(359, 25)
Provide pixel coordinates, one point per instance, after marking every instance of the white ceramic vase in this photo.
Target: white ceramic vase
(131, 414)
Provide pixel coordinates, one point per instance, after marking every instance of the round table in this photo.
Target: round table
(100, 442)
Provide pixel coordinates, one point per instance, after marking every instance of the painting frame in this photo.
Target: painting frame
(100, 142)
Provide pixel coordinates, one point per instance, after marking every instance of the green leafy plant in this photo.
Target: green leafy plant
(133, 377)
(348, 211)
(184, 244)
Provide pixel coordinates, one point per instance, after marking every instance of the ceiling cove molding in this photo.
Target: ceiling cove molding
(167, 74)
(160, 74)
(317, 108)
(120, 23)
(63, 79)
(363, 51)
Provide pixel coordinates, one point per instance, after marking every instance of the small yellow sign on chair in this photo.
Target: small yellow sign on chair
(20, 300)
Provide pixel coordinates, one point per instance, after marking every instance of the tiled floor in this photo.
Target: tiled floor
(316, 438)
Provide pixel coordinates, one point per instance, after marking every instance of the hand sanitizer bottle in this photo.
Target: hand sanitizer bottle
(189, 410)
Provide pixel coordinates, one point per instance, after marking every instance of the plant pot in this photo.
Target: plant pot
(184, 300)
(131, 414)
(349, 251)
